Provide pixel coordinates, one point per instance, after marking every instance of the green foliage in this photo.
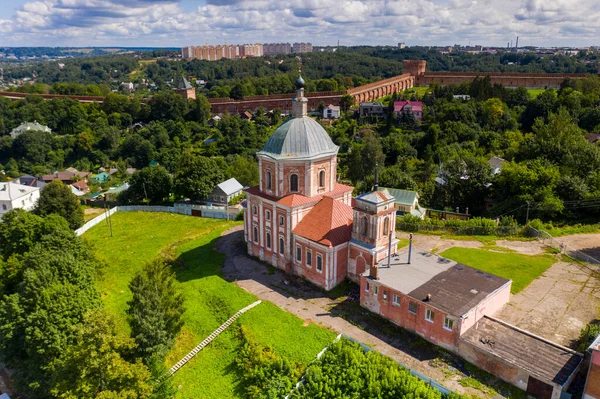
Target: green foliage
(196, 177)
(266, 374)
(48, 287)
(57, 198)
(152, 183)
(587, 335)
(95, 365)
(346, 370)
(156, 309)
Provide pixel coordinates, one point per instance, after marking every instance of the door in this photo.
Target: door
(196, 212)
(539, 389)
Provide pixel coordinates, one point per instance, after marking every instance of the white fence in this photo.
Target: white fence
(571, 252)
(213, 212)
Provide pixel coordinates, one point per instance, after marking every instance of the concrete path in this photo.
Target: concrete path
(557, 304)
(302, 299)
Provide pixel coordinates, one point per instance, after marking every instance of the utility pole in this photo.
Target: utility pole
(527, 216)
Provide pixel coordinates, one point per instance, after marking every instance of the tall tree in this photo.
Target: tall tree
(152, 183)
(196, 176)
(95, 365)
(57, 198)
(156, 309)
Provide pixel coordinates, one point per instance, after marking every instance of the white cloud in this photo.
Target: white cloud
(166, 23)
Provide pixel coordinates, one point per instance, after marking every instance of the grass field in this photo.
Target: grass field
(521, 269)
(535, 92)
(209, 300)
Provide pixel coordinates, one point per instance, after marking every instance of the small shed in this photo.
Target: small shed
(101, 177)
(405, 201)
(224, 192)
(331, 112)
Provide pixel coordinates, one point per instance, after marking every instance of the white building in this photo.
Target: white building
(331, 112)
(29, 126)
(14, 195)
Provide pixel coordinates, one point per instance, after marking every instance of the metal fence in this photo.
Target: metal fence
(563, 248)
(213, 212)
(469, 231)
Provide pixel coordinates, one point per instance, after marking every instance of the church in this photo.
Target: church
(301, 220)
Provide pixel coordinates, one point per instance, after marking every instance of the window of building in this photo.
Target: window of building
(308, 258)
(269, 180)
(268, 215)
(294, 183)
(281, 245)
(281, 220)
(367, 286)
(429, 315)
(364, 225)
(322, 178)
(385, 295)
(23, 202)
(299, 254)
(448, 323)
(319, 263)
(395, 300)
(412, 307)
(254, 211)
(268, 240)
(376, 290)
(4, 207)
(386, 226)
(255, 234)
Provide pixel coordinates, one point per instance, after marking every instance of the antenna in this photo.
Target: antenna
(517, 44)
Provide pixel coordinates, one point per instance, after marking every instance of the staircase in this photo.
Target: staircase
(209, 339)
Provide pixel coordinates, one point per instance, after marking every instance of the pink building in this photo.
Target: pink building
(434, 297)
(300, 219)
(409, 107)
(592, 386)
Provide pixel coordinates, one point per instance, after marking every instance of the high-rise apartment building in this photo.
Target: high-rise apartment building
(301, 48)
(277, 48)
(214, 53)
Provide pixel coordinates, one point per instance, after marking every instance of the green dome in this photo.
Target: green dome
(299, 138)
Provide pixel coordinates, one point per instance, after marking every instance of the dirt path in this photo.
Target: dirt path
(558, 304)
(305, 301)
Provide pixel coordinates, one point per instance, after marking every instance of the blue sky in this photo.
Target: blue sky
(189, 22)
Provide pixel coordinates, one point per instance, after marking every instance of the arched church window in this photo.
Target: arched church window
(322, 178)
(255, 234)
(269, 180)
(281, 245)
(364, 225)
(386, 226)
(294, 183)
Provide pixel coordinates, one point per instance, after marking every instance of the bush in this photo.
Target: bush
(587, 335)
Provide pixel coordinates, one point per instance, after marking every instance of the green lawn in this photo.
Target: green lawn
(535, 92)
(521, 269)
(209, 300)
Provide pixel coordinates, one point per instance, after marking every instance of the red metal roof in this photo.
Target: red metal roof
(329, 223)
(417, 106)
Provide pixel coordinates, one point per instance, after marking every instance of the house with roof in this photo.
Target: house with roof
(414, 108)
(101, 177)
(496, 163)
(300, 219)
(371, 109)
(331, 112)
(224, 192)
(29, 126)
(405, 201)
(592, 385)
(68, 176)
(14, 196)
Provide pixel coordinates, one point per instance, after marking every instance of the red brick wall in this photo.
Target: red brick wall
(489, 363)
(432, 331)
(506, 79)
(300, 170)
(342, 264)
(266, 165)
(310, 272)
(317, 167)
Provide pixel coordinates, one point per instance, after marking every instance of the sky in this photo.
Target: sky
(177, 23)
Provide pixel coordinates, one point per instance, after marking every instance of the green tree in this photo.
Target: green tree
(202, 109)
(168, 105)
(156, 310)
(196, 176)
(347, 101)
(57, 198)
(95, 365)
(152, 183)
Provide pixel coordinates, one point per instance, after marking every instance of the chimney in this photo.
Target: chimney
(374, 272)
(467, 211)
(457, 210)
